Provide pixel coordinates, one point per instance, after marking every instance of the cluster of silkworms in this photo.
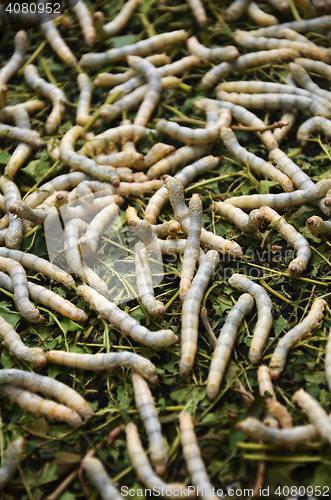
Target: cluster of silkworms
(123, 175)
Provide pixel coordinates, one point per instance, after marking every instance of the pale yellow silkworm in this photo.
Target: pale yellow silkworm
(83, 106)
(11, 460)
(192, 249)
(192, 455)
(255, 162)
(23, 151)
(236, 10)
(145, 282)
(114, 27)
(199, 12)
(313, 66)
(274, 407)
(8, 113)
(245, 62)
(57, 43)
(12, 194)
(14, 344)
(264, 313)
(226, 342)
(120, 159)
(105, 362)
(309, 126)
(191, 310)
(318, 226)
(146, 407)
(100, 480)
(127, 189)
(217, 55)
(125, 323)
(259, 16)
(317, 416)
(30, 137)
(301, 330)
(50, 91)
(157, 153)
(85, 20)
(142, 48)
(31, 403)
(246, 223)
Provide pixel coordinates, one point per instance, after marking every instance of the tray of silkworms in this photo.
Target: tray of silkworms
(165, 250)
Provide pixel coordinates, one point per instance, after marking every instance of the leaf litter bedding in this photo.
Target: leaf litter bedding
(143, 364)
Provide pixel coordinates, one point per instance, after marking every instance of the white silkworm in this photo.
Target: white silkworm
(191, 310)
(20, 285)
(302, 78)
(256, 163)
(153, 92)
(121, 159)
(50, 91)
(12, 194)
(79, 162)
(115, 26)
(143, 469)
(290, 117)
(100, 480)
(57, 43)
(207, 238)
(127, 189)
(276, 101)
(264, 313)
(236, 10)
(192, 455)
(83, 106)
(31, 403)
(146, 407)
(47, 298)
(283, 32)
(276, 409)
(105, 362)
(199, 12)
(290, 437)
(11, 460)
(49, 387)
(318, 226)
(181, 156)
(294, 172)
(192, 248)
(125, 323)
(317, 416)
(262, 43)
(23, 151)
(8, 113)
(320, 24)
(85, 20)
(16, 348)
(315, 66)
(142, 48)
(216, 55)
(246, 223)
(226, 342)
(145, 283)
(157, 153)
(39, 265)
(309, 126)
(16, 61)
(30, 137)
(259, 16)
(245, 62)
(301, 330)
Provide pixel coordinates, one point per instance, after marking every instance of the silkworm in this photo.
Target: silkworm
(318, 226)
(282, 33)
(191, 310)
(216, 55)
(49, 387)
(145, 283)
(146, 407)
(36, 216)
(181, 212)
(315, 66)
(294, 172)
(236, 10)
(85, 20)
(14, 344)
(127, 189)
(83, 106)
(192, 455)
(183, 155)
(79, 162)
(39, 265)
(47, 298)
(125, 323)
(246, 223)
(281, 200)
(301, 77)
(31, 403)
(30, 137)
(264, 313)
(157, 153)
(274, 407)
(16, 61)
(121, 159)
(50, 91)
(23, 151)
(276, 101)
(115, 26)
(99, 478)
(105, 362)
(282, 6)
(320, 24)
(226, 342)
(245, 62)
(199, 12)
(262, 43)
(57, 43)
(301, 330)
(291, 235)
(256, 163)
(186, 176)
(192, 248)
(8, 113)
(317, 416)
(142, 228)
(289, 438)
(153, 92)
(11, 460)
(12, 194)
(142, 48)
(290, 117)
(259, 16)
(309, 126)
